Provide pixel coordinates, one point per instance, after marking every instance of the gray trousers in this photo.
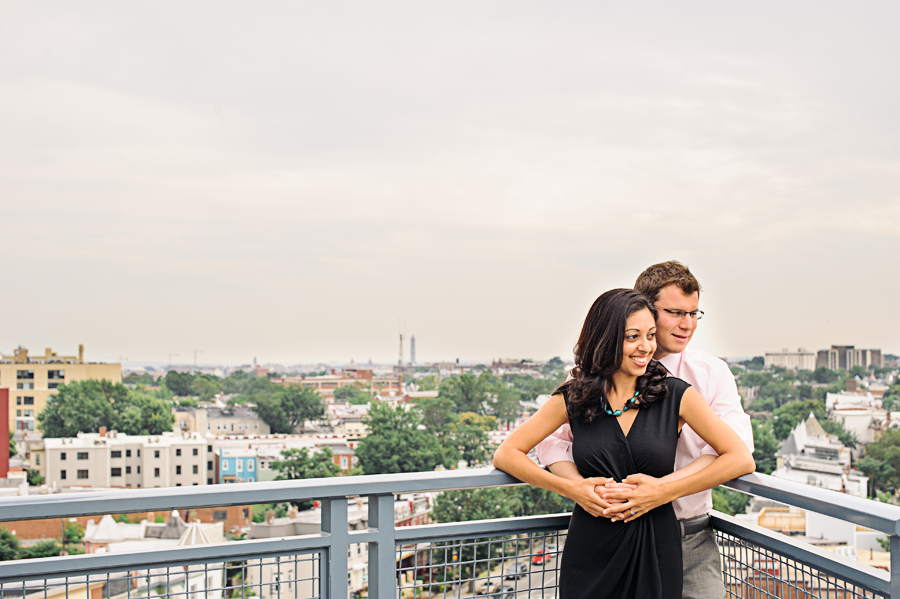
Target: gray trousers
(702, 567)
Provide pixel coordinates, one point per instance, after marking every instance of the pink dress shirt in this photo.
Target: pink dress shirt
(711, 378)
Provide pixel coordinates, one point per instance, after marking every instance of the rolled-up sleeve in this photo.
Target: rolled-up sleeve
(556, 448)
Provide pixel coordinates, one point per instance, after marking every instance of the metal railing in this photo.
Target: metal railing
(506, 558)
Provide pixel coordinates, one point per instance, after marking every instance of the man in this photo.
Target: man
(676, 294)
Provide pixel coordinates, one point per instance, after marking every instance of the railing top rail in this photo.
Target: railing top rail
(882, 517)
(98, 503)
(878, 516)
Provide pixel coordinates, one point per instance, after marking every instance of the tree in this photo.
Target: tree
(728, 501)
(507, 402)
(12, 446)
(858, 371)
(882, 461)
(75, 532)
(205, 387)
(352, 394)
(469, 437)
(9, 546)
(142, 413)
(533, 501)
(467, 391)
(34, 478)
(298, 464)
(396, 444)
(290, 408)
(790, 414)
(436, 413)
(48, 548)
(764, 446)
(81, 406)
(179, 383)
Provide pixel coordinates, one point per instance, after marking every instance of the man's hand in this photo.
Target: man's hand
(583, 492)
(646, 494)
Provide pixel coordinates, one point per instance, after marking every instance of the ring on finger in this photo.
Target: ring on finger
(632, 512)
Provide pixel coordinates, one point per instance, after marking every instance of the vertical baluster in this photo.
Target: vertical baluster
(334, 523)
(383, 551)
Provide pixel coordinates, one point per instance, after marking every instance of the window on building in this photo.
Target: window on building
(156, 472)
(62, 474)
(246, 513)
(29, 401)
(56, 374)
(138, 453)
(62, 455)
(209, 481)
(224, 465)
(250, 466)
(177, 452)
(25, 386)
(194, 485)
(24, 374)
(18, 413)
(29, 413)
(177, 469)
(127, 469)
(177, 484)
(138, 469)
(220, 515)
(240, 465)
(196, 469)
(82, 455)
(209, 448)
(53, 385)
(37, 459)
(115, 454)
(115, 472)
(209, 465)
(82, 474)
(155, 453)
(18, 400)
(195, 451)
(127, 453)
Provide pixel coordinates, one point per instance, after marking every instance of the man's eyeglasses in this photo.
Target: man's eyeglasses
(680, 314)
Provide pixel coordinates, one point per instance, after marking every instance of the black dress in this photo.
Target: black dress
(639, 559)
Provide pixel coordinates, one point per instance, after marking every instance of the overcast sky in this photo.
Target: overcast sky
(289, 180)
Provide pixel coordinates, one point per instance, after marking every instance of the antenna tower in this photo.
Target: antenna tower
(400, 362)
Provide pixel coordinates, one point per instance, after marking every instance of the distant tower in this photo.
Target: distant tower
(412, 349)
(400, 362)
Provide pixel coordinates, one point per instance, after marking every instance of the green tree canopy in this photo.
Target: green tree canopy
(790, 414)
(289, 408)
(297, 464)
(882, 462)
(436, 413)
(765, 445)
(9, 546)
(469, 437)
(353, 394)
(179, 383)
(467, 391)
(395, 443)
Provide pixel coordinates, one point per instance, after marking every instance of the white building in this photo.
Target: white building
(813, 457)
(791, 360)
(120, 460)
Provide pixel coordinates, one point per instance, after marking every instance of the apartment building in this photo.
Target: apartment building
(845, 357)
(32, 379)
(236, 420)
(791, 360)
(137, 461)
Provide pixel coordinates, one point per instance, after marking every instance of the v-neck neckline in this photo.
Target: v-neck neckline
(625, 433)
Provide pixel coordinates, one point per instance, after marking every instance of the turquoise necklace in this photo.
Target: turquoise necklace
(631, 403)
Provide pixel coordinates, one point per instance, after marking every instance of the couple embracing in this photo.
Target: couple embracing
(637, 436)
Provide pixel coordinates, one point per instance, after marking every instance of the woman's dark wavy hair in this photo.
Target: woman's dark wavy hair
(599, 354)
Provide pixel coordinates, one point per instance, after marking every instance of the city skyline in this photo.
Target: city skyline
(288, 181)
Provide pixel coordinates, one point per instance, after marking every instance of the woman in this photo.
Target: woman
(626, 416)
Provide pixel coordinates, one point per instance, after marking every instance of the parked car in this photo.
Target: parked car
(541, 556)
(550, 547)
(515, 570)
(489, 587)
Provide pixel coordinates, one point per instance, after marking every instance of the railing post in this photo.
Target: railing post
(334, 522)
(382, 551)
(895, 566)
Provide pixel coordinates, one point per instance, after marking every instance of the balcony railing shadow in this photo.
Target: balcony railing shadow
(514, 558)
